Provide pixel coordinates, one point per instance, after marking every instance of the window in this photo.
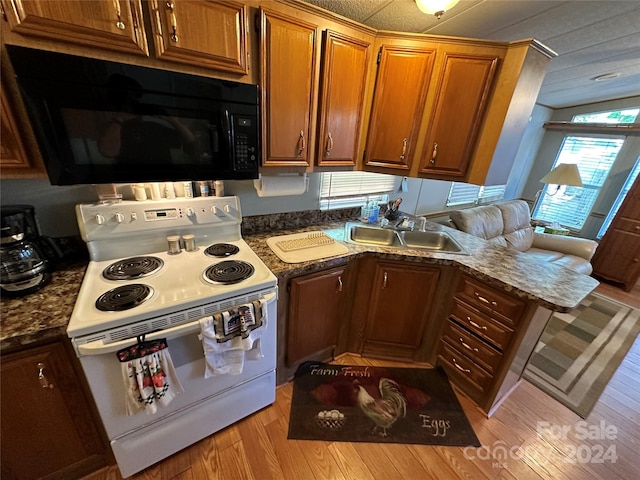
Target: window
(620, 199)
(465, 194)
(570, 206)
(352, 189)
(594, 155)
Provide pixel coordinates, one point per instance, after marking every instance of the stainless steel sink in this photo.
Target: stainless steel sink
(386, 237)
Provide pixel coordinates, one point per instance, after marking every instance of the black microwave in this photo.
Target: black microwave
(97, 121)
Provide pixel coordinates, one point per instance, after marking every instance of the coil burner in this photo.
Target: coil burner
(132, 268)
(221, 250)
(229, 272)
(124, 297)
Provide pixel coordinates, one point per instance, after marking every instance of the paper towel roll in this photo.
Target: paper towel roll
(280, 185)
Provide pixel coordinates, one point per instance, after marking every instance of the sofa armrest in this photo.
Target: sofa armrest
(580, 247)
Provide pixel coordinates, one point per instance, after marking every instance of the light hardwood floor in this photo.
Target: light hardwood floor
(257, 447)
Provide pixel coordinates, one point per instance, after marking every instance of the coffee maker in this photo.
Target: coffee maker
(24, 266)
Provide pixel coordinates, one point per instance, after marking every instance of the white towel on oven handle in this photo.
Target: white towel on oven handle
(227, 358)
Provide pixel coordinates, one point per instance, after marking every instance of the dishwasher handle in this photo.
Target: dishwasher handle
(98, 347)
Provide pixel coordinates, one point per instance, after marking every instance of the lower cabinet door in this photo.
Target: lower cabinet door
(313, 320)
(399, 306)
(46, 427)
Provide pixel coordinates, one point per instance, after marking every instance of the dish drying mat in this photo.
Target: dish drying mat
(303, 247)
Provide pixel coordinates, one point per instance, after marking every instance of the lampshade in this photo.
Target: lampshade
(564, 174)
(435, 7)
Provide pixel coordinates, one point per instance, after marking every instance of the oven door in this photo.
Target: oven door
(181, 420)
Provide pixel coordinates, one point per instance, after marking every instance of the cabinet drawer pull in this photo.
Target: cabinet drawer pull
(119, 24)
(301, 143)
(463, 370)
(493, 303)
(465, 345)
(327, 150)
(174, 22)
(404, 149)
(434, 153)
(474, 324)
(384, 280)
(339, 284)
(44, 383)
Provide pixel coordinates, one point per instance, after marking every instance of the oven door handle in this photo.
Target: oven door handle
(98, 347)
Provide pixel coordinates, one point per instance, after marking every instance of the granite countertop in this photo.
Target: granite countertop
(44, 315)
(552, 286)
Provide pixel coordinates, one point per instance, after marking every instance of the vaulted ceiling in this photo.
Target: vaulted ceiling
(592, 38)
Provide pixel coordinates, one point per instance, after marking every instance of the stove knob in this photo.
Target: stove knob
(190, 212)
(99, 219)
(227, 208)
(119, 217)
(214, 210)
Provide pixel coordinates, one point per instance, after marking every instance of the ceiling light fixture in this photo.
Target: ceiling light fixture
(435, 7)
(606, 76)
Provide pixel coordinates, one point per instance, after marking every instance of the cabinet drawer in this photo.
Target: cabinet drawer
(460, 367)
(477, 294)
(628, 225)
(471, 346)
(494, 332)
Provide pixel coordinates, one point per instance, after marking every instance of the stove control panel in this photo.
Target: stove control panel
(100, 221)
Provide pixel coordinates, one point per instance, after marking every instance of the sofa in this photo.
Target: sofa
(509, 224)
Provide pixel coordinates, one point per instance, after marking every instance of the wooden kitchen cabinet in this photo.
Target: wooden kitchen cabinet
(398, 307)
(16, 159)
(487, 340)
(617, 258)
(115, 25)
(288, 57)
(47, 429)
(202, 33)
(313, 320)
(465, 81)
(403, 78)
(341, 101)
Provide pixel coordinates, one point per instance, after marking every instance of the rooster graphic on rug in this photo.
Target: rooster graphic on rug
(383, 411)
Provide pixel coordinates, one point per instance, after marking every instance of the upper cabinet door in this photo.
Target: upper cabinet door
(109, 24)
(465, 86)
(202, 33)
(341, 99)
(398, 102)
(287, 53)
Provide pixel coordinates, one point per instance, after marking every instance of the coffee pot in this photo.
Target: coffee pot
(24, 267)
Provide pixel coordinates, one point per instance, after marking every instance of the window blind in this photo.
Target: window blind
(467, 194)
(349, 189)
(570, 206)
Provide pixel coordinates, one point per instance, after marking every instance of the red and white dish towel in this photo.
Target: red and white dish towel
(231, 337)
(150, 382)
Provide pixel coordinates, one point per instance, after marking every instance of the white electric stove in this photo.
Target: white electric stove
(138, 284)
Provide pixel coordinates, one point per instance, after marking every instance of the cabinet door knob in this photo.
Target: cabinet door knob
(434, 153)
(329, 147)
(119, 24)
(637, 227)
(484, 300)
(44, 383)
(466, 345)
(339, 284)
(174, 22)
(474, 324)
(301, 143)
(404, 149)
(384, 280)
(463, 370)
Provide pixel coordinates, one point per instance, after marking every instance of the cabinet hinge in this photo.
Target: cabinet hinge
(379, 56)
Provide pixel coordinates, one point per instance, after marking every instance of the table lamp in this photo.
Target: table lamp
(563, 174)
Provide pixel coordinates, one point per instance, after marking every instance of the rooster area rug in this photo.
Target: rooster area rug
(342, 403)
